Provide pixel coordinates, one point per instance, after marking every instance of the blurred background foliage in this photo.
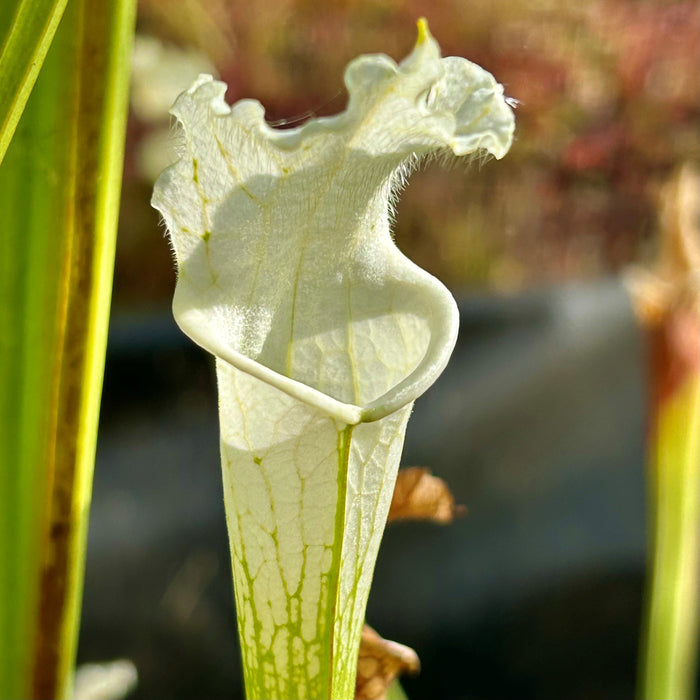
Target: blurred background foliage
(538, 422)
(608, 107)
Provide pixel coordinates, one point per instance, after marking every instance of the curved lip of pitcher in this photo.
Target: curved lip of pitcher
(444, 323)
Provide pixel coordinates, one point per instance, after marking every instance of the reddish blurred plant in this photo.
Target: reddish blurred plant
(667, 300)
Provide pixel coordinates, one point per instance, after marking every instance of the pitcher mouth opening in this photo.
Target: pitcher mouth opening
(442, 319)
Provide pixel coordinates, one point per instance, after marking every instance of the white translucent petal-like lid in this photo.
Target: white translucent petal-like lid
(287, 268)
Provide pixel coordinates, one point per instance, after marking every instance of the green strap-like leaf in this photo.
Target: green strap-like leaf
(25, 43)
(59, 194)
(670, 635)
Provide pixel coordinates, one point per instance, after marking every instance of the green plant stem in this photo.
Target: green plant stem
(59, 193)
(669, 647)
(24, 48)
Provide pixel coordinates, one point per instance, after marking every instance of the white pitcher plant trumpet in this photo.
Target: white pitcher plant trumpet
(324, 335)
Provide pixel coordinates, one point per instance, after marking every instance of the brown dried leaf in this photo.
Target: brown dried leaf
(380, 662)
(418, 495)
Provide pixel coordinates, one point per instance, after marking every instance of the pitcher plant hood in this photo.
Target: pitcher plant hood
(287, 267)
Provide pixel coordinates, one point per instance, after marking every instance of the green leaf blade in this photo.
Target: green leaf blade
(670, 635)
(26, 43)
(59, 191)
(30, 274)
